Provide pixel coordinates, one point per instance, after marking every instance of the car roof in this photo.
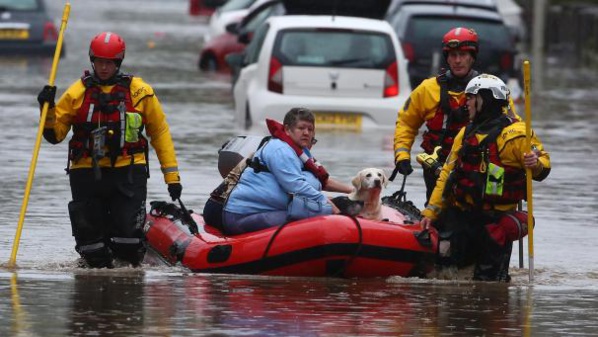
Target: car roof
(328, 21)
(485, 4)
(477, 13)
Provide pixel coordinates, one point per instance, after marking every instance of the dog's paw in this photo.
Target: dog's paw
(348, 206)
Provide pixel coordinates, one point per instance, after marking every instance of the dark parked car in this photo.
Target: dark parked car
(420, 26)
(26, 28)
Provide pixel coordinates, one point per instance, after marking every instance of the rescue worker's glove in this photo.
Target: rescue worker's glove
(175, 189)
(48, 94)
(404, 167)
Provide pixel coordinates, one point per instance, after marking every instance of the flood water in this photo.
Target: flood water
(48, 296)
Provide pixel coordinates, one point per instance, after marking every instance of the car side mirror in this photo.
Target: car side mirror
(244, 37)
(232, 28)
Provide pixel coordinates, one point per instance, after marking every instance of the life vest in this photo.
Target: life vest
(449, 118)
(480, 175)
(277, 131)
(107, 124)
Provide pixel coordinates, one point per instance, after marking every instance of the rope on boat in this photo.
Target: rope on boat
(342, 270)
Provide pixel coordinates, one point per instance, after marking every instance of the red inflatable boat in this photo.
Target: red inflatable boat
(334, 245)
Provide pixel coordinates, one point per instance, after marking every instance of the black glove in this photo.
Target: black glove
(347, 206)
(404, 167)
(175, 190)
(48, 94)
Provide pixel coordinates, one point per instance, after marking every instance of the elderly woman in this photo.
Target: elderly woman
(283, 181)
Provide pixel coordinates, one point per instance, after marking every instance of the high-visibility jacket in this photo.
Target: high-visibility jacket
(144, 102)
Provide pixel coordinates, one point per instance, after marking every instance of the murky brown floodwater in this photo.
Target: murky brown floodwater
(49, 296)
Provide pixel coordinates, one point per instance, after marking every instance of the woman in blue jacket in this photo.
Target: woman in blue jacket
(283, 182)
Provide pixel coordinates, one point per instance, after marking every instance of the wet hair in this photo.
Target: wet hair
(491, 107)
(298, 114)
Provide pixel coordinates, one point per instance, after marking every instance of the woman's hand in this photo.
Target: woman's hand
(530, 159)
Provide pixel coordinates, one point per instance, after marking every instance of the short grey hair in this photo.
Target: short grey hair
(298, 114)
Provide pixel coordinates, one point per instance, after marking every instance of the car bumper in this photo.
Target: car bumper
(28, 49)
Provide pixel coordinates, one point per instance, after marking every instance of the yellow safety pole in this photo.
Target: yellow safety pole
(40, 130)
(528, 171)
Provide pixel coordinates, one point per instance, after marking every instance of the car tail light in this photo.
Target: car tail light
(275, 76)
(506, 61)
(50, 32)
(391, 80)
(408, 51)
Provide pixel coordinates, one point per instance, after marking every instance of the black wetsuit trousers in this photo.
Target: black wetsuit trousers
(107, 215)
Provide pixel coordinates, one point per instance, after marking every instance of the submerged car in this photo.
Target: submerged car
(350, 71)
(26, 28)
(421, 25)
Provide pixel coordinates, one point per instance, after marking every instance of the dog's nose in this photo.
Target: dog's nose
(378, 183)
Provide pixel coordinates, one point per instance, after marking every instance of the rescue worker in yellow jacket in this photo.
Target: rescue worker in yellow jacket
(439, 102)
(108, 154)
(475, 199)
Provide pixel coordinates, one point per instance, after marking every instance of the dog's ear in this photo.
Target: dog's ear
(384, 179)
(357, 181)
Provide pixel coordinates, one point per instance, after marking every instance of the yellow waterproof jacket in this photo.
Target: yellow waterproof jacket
(60, 120)
(421, 106)
(512, 145)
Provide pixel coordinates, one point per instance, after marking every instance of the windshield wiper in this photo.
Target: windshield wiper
(345, 61)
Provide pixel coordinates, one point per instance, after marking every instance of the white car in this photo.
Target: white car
(350, 71)
(231, 11)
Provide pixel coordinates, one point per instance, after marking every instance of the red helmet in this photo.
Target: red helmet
(107, 45)
(460, 38)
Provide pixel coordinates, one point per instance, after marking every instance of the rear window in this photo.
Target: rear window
(334, 48)
(18, 5)
(432, 29)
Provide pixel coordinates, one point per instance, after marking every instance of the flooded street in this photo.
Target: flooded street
(49, 296)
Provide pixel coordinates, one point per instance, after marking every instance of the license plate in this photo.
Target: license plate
(14, 34)
(338, 120)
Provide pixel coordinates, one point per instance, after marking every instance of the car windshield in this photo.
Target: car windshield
(235, 5)
(18, 5)
(334, 48)
(433, 28)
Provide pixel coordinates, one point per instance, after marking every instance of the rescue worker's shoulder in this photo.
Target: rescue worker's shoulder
(427, 88)
(77, 89)
(512, 131)
(140, 89)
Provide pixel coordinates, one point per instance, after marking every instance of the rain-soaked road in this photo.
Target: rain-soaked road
(48, 296)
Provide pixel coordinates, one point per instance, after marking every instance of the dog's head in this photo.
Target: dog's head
(370, 178)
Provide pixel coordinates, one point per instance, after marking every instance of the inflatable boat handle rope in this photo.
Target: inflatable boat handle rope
(347, 262)
(189, 219)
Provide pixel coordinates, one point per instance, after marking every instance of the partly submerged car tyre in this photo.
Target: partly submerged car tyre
(208, 63)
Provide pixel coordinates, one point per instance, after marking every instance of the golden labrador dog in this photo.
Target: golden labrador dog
(368, 185)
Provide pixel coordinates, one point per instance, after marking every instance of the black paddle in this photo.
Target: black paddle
(189, 219)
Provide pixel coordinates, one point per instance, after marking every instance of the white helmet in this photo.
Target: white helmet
(486, 81)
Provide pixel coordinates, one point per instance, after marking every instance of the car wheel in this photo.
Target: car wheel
(208, 63)
(247, 123)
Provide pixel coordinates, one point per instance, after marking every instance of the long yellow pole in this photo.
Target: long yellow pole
(528, 171)
(40, 130)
